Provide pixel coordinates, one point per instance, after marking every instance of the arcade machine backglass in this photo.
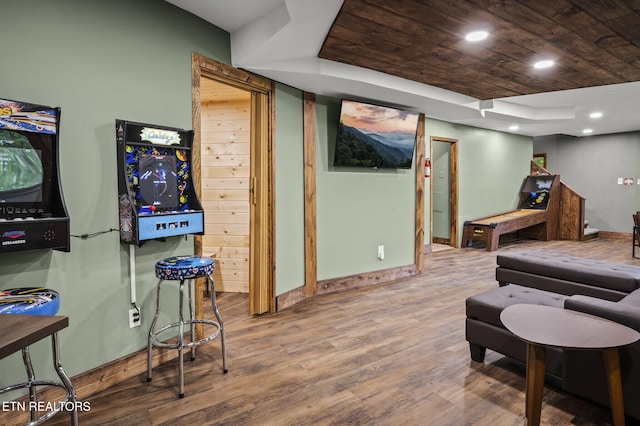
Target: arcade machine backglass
(156, 195)
(33, 214)
(536, 191)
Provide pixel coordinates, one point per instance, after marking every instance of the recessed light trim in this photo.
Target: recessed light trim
(514, 127)
(476, 36)
(547, 63)
(595, 114)
(587, 131)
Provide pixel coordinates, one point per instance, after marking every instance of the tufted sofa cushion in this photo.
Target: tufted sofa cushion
(486, 307)
(625, 278)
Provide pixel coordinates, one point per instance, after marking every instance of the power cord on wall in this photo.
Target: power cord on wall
(95, 234)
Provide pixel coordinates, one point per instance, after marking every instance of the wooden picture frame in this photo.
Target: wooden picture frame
(541, 159)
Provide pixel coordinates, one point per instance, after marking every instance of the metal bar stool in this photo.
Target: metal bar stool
(185, 268)
(42, 302)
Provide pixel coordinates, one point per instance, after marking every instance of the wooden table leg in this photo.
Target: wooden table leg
(612, 368)
(527, 381)
(536, 360)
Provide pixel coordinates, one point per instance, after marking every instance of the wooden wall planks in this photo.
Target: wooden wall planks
(226, 153)
(595, 43)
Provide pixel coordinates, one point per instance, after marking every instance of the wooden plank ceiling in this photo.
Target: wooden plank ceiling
(594, 43)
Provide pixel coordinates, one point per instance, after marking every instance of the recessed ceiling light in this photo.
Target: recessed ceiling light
(587, 131)
(514, 127)
(476, 36)
(547, 63)
(596, 114)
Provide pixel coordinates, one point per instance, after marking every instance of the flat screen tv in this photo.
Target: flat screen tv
(375, 136)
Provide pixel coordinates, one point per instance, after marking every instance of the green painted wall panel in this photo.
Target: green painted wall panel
(289, 152)
(98, 61)
(491, 168)
(359, 209)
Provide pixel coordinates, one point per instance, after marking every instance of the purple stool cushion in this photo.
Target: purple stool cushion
(29, 301)
(184, 267)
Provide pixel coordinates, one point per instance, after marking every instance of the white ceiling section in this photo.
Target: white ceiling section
(280, 39)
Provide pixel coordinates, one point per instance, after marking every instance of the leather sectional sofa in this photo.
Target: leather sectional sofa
(599, 288)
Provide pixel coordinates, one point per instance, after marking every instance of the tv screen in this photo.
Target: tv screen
(26, 174)
(375, 136)
(21, 166)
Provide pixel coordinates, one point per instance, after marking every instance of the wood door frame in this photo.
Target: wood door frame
(453, 180)
(262, 223)
(542, 155)
(310, 210)
(419, 213)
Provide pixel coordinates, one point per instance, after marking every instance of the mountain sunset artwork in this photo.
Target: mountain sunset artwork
(375, 136)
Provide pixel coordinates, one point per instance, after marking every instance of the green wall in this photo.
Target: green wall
(359, 209)
(289, 177)
(98, 61)
(491, 168)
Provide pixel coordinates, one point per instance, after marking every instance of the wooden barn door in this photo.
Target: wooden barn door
(225, 126)
(233, 114)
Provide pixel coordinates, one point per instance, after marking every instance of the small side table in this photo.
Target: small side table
(545, 326)
(17, 333)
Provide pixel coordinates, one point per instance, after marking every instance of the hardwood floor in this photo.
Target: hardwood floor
(384, 355)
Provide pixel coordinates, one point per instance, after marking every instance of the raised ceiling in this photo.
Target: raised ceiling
(594, 43)
(411, 54)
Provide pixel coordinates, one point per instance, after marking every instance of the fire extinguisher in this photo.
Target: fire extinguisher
(427, 168)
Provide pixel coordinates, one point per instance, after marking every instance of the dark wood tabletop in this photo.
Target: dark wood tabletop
(564, 328)
(546, 326)
(20, 331)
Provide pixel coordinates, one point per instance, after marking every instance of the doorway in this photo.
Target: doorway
(225, 152)
(444, 191)
(233, 165)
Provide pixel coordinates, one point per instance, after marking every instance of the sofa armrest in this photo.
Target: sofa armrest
(621, 313)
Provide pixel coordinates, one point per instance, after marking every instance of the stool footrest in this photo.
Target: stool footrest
(157, 343)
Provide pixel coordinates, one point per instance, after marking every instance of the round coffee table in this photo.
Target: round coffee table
(545, 326)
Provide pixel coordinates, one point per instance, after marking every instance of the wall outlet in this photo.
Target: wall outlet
(134, 317)
(381, 252)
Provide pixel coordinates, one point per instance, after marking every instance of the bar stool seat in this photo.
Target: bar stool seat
(185, 269)
(29, 301)
(43, 302)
